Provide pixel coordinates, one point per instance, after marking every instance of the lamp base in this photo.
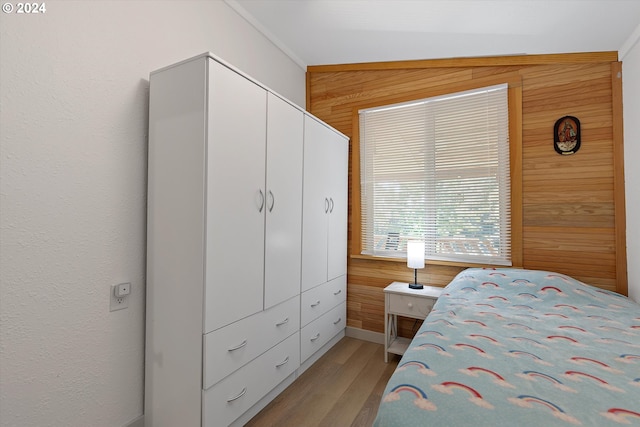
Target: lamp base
(415, 286)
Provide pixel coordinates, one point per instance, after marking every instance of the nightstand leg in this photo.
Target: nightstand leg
(386, 338)
(390, 333)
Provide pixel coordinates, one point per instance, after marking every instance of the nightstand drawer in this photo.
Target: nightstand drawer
(411, 306)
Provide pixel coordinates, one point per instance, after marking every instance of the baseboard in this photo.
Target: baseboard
(363, 334)
(137, 422)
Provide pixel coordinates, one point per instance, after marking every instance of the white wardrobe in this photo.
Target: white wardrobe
(246, 254)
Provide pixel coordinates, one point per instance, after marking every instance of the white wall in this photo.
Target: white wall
(630, 57)
(73, 145)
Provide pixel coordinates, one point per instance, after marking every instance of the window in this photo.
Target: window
(437, 170)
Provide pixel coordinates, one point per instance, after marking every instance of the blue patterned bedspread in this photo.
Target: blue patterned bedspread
(511, 347)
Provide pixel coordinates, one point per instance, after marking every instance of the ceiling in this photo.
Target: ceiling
(320, 32)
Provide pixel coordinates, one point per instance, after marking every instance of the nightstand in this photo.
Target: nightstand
(400, 300)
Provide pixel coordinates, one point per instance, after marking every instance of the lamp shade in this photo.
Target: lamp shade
(415, 254)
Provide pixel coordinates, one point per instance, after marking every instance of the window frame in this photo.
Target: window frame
(515, 153)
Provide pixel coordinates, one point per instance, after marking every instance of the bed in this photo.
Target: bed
(513, 347)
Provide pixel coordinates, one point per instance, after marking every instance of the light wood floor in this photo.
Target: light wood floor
(343, 388)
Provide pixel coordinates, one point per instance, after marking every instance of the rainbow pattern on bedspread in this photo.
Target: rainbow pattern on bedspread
(512, 347)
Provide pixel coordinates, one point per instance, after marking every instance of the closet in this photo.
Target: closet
(228, 177)
(324, 270)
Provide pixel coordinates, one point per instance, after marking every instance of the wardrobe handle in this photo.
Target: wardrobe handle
(338, 293)
(316, 337)
(316, 304)
(284, 362)
(231, 399)
(283, 322)
(261, 201)
(326, 205)
(242, 344)
(337, 321)
(273, 201)
(331, 208)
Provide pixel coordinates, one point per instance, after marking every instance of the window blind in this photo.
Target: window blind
(437, 170)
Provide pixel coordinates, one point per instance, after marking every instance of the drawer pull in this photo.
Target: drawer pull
(231, 399)
(284, 362)
(316, 304)
(239, 346)
(338, 293)
(338, 321)
(410, 305)
(316, 337)
(284, 322)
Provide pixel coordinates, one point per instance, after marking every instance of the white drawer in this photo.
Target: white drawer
(234, 395)
(231, 347)
(411, 306)
(320, 331)
(319, 300)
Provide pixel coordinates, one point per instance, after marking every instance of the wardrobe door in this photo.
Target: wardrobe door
(337, 168)
(283, 236)
(315, 205)
(236, 197)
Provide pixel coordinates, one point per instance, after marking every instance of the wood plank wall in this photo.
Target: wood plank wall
(572, 206)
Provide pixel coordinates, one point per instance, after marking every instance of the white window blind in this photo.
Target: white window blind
(437, 170)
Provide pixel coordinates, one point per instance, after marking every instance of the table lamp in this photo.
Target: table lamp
(415, 260)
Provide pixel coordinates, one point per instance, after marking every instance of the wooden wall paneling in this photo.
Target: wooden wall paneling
(515, 147)
(568, 227)
(572, 207)
(618, 179)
